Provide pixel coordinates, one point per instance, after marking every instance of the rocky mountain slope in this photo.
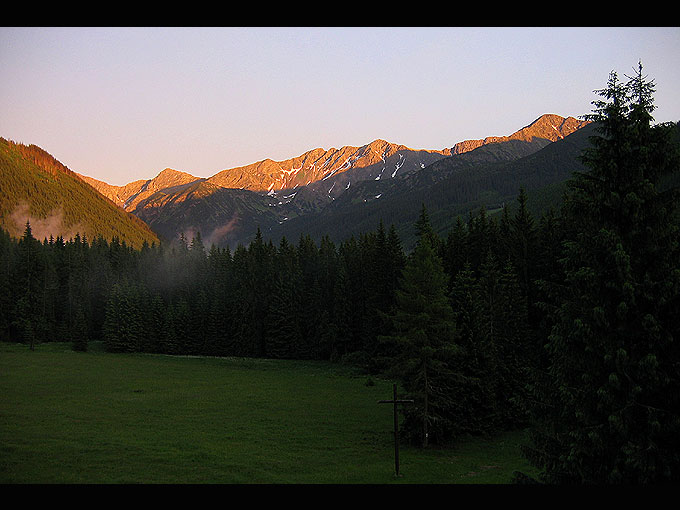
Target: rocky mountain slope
(376, 160)
(129, 195)
(547, 127)
(317, 187)
(228, 207)
(488, 176)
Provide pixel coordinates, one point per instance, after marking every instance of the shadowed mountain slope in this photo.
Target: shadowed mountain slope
(337, 192)
(487, 176)
(311, 192)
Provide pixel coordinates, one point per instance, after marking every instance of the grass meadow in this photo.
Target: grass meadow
(99, 418)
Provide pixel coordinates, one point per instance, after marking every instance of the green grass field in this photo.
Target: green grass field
(95, 417)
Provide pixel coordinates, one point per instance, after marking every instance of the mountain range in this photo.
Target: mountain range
(340, 192)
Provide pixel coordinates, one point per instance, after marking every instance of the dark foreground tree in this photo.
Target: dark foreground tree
(608, 410)
(423, 342)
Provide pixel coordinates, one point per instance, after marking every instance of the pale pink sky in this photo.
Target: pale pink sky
(120, 104)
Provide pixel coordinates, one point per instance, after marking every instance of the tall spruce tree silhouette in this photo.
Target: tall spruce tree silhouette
(609, 410)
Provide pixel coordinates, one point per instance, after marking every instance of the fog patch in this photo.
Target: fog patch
(218, 235)
(42, 228)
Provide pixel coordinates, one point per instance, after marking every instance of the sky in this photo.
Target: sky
(122, 103)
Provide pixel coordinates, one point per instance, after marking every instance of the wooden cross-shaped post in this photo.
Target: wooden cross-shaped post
(396, 424)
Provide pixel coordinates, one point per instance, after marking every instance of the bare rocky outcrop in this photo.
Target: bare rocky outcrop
(549, 126)
(321, 164)
(131, 194)
(323, 174)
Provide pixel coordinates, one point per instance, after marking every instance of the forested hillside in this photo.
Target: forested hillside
(38, 188)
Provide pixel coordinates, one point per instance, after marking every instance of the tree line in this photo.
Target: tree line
(317, 301)
(302, 300)
(565, 324)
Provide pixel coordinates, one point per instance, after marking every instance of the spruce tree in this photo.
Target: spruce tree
(241, 305)
(355, 270)
(7, 267)
(30, 276)
(284, 331)
(260, 278)
(338, 333)
(334, 336)
(171, 338)
(423, 338)
(424, 229)
(113, 317)
(455, 251)
(523, 245)
(475, 408)
(123, 328)
(608, 410)
(513, 349)
(310, 310)
(181, 321)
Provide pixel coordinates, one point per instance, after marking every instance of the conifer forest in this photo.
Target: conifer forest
(567, 323)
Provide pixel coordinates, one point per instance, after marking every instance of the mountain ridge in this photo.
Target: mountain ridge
(487, 176)
(130, 194)
(228, 206)
(340, 190)
(312, 166)
(369, 161)
(543, 127)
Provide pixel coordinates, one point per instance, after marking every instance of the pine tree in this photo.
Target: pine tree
(475, 403)
(608, 412)
(334, 336)
(30, 275)
(424, 229)
(111, 328)
(284, 331)
(7, 268)
(260, 278)
(455, 251)
(311, 310)
(523, 245)
(123, 329)
(423, 336)
(513, 348)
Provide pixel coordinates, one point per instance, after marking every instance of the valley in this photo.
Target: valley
(340, 192)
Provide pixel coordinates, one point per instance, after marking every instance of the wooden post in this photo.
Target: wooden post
(396, 424)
